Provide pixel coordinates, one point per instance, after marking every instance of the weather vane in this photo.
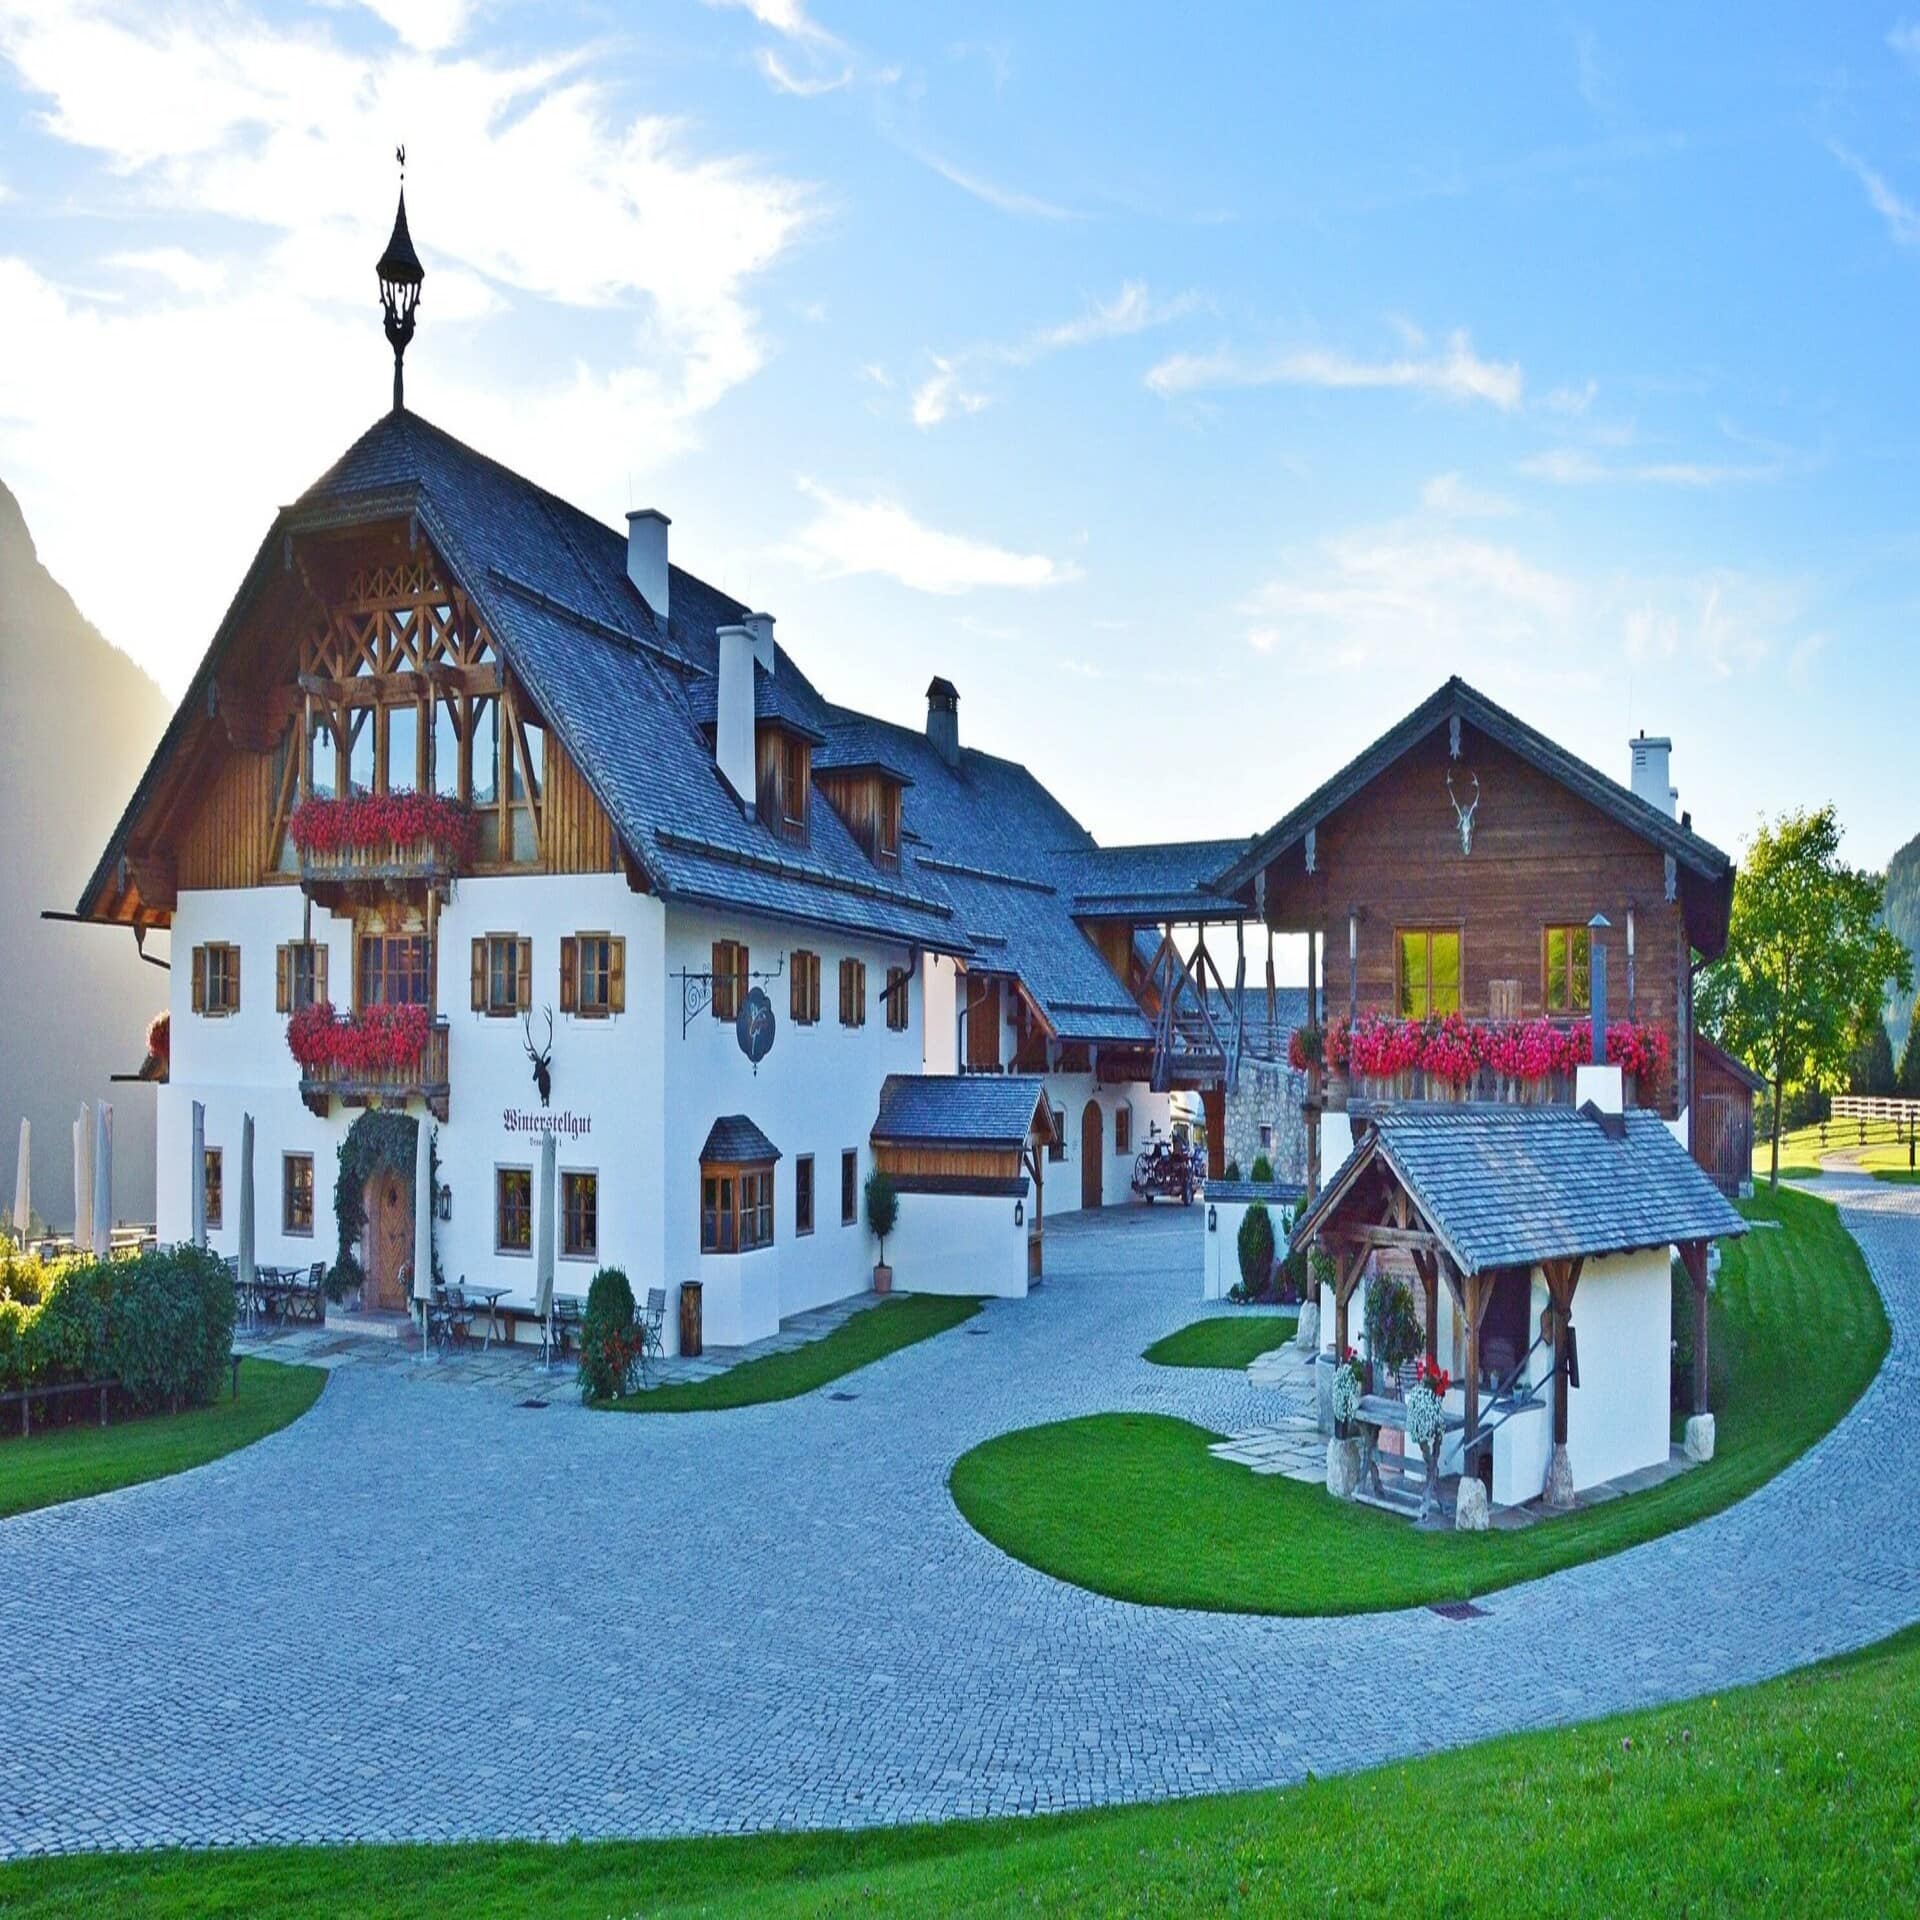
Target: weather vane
(400, 274)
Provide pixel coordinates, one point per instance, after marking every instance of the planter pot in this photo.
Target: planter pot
(882, 1278)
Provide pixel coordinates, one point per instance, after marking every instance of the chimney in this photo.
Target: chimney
(1599, 1086)
(647, 559)
(745, 651)
(1650, 773)
(943, 720)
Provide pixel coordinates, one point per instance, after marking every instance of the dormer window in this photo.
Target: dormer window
(796, 759)
(887, 826)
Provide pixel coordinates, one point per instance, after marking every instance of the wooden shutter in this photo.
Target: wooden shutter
(479, 976)
(283, 979)
(525, 994)
(319, 972)
(231, 1004)
(721, 977)
(199, 979)
(569, 973)
(797, 1005)
(617, 974)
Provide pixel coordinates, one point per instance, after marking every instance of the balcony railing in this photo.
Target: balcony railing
(355, 1076)
(382, 839)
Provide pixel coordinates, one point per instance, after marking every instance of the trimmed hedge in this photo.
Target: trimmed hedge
(161, 1324)
(609, 1342)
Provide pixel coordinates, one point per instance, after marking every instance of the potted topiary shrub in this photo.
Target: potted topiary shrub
(1255, 1248)
(883, 1215)
(1231, 1171)
(1262, 1174)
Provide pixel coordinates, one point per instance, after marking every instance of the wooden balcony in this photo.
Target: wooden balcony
(372, 845)
(424, 1078)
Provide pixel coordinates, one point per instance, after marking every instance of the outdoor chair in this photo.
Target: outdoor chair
(459, 1314)
(652, 1319)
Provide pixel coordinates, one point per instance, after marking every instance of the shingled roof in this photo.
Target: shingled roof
(734, 1140)
(1513, 1186)
(959, 1109)
(1456, 700)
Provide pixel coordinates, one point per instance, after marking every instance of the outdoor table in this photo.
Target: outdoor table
(492, 1296)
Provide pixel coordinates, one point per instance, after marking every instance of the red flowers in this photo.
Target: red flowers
(160, 1038)
(372, 820)
(381, 1040)
(1432, 1375)
(1453, 1051)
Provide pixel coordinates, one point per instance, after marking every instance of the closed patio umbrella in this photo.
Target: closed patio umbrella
(83, 1178)
(23, 1183)
(246, 1208)
(544, 1237)
(422, 1224)
(102, 1180)
(197, 1175)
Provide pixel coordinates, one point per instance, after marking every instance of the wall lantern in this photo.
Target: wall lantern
(443, 1202)
(1019, 1213)
(1213, 1219)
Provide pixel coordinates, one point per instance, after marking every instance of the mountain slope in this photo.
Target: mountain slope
(81, 722)
(1901, 912)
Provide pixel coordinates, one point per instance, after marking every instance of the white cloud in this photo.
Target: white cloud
(1457, 374)
(183, 271)
(1457, 497)
(802, 86)
(941, 392)
(430, 26)
(526, 186)
(1132, 310)
(1574, 467)
(880, 536)
(1903, 220)
(1572, 401)
(788, 17)
(1024, 206)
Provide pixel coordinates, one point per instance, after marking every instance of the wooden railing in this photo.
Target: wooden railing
(414, 860)
(424, 1078)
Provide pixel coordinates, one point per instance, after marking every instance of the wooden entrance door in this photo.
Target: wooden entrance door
(389, 1246)
(1092, 1155)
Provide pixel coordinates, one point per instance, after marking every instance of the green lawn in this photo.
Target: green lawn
(1224, 1340)
(870, 1335)
(1794, 1797)
(1134, 1506)
(72, 1462)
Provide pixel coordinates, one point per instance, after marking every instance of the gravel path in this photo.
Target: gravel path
(433, 1615)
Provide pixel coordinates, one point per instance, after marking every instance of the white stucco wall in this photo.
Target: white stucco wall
(1220, 1243)
(1068, 1094)
(960, 1243)
(1619, 1418)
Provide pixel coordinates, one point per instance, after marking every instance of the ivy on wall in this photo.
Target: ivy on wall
(377, 1142)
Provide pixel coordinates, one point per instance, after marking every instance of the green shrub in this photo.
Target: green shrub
(1231, 1171)
(883, 1209)
(24, 1276)
(168, 1327)
(1256, 1250)
(609, 1341)
(1262, 1170)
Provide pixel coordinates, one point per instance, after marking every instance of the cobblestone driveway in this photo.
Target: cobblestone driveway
(426, 1615)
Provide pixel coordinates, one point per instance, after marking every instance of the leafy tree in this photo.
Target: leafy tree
(1807, 964)
(1910, 1060)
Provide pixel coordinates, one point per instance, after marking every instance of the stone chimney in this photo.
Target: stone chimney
(1650, 778)
(647, 560)
(943, 720)
(745, 652)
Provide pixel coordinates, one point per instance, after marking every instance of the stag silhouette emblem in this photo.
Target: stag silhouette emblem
(1464, 814)
(542, 1061)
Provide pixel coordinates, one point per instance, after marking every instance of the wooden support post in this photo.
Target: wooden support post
(1693, 1256)
(1562, 1277)
(1428, 1269)
(1476, 1292)
(1313, 978)
(1348, 1262)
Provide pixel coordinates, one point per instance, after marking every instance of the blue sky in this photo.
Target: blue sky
(1196, 393)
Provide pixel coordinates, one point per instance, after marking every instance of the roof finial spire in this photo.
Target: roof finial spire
(400, 274)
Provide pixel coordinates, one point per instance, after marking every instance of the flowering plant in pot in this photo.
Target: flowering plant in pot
(366, 821)
(384, 1039)
(1426, 1423)
(1349, 1383)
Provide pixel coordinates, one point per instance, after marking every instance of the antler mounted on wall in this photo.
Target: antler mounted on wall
(542, 1061)
(1464, 814)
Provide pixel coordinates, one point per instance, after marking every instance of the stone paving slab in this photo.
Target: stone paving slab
(775, 1617)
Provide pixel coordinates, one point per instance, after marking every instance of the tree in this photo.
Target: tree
(1807, 967)
(1910, 1059)
(1871, 1071)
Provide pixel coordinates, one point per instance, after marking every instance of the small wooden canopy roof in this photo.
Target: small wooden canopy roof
(986, 1110)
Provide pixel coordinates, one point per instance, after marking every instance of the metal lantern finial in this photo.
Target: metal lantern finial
(400, 274)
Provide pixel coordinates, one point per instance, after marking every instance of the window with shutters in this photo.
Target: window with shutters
(853, 992)
(898, 998)
(593, 975)
(296, 1193)
(300, 975)
(579, 1215)
(211, 1184)
(513, 1209)
(392, 971)
(849, 1186)
(502, 975)
(803, 1194)
(729, 979)
(804, 972)
(216, 979)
